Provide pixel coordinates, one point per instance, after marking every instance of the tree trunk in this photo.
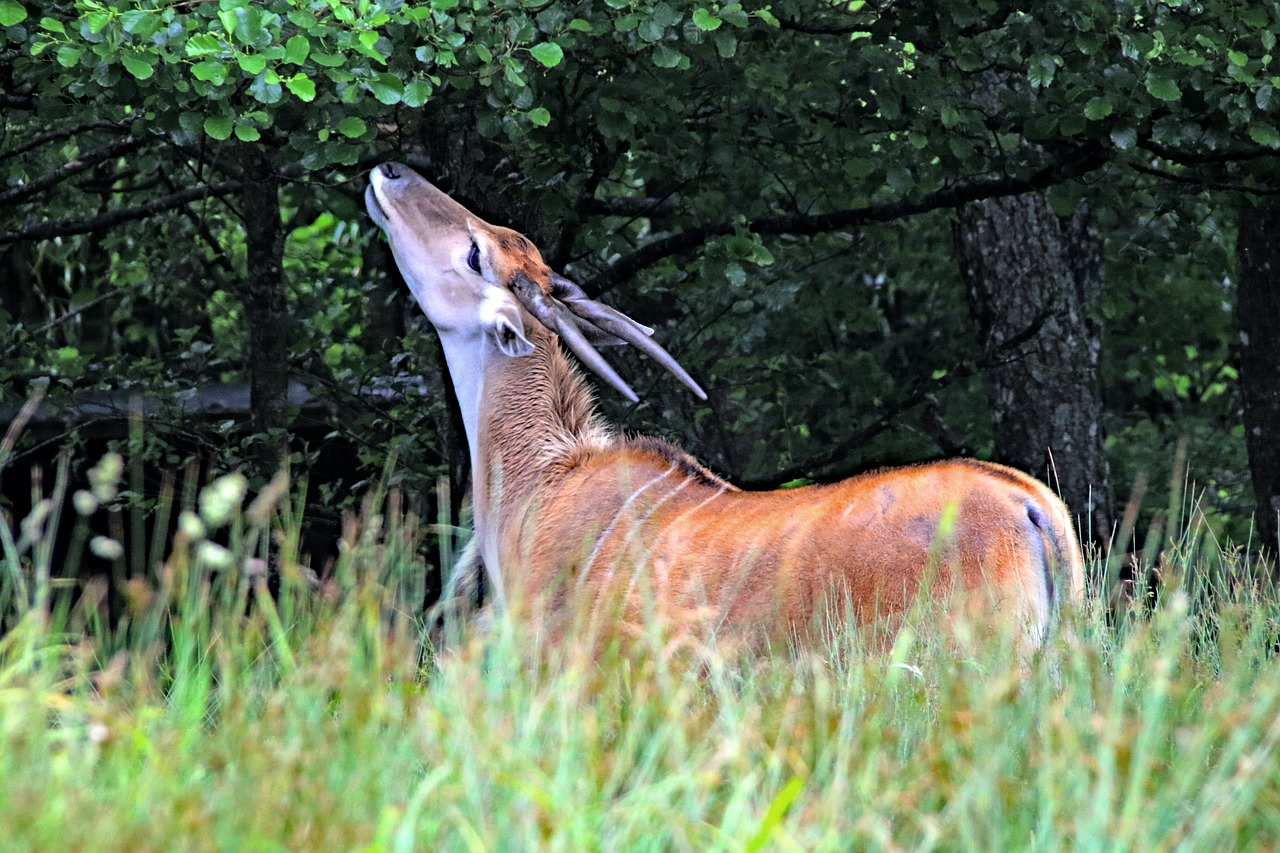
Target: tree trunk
(262, 295)
(1258, 315)
(1033, 279)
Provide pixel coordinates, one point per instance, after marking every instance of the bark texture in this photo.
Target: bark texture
(262, 294)
(1033, 279)
(1258, 316)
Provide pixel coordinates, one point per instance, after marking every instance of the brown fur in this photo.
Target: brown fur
(601, 518)
(575, 515)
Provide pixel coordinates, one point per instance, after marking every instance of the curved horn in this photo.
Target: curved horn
(556, 318)
(584, 306)
(620, 325)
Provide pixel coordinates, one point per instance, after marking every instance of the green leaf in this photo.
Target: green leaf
(247, 133)
(296, 49)
(69, 55)
(1241, 75)
(219, 127)
(1124, 138)
(704, 20)
(665, 57)
(11, 12)
(202, 44)
(264, 90)
(734, 15)
(365, 46)
(1162, 87)
(539, 116)
(650, 30)
(301, 85)
(1041, 71)
(899, 178)
(416, 93)
(138, 67)
(1098, 108)
(1264, 95)
(1256, 18)
(252, 63)
(96, 20)
(248, 29)
(950, 117)
(548, 53)
(1264, 134)
(211, 71)
(726, 43)
(52, 25)
(141, 23)
(768, 17)
(1238, 59)
(1070, 124)
(328, 60)
(352, 127)
(581, 26)
(387, 88)
(1065, 199)
(1188, 57)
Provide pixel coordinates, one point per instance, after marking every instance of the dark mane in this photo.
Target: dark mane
(672, 454)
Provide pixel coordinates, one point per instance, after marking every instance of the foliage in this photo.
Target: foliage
(769, 184)
(217, 715)
(312, 78)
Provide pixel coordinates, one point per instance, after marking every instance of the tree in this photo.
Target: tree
(1258, 310)
(1034, 281)
(237, 98)
(774, 187)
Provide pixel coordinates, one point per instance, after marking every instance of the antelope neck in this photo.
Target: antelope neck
(513, 410)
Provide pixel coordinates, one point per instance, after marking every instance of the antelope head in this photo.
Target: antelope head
(479, 283)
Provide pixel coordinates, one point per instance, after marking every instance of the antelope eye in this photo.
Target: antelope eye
(473, 257)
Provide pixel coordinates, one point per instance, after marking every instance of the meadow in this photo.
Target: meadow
(242, 703)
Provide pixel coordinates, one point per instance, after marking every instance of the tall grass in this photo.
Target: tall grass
(219, 713)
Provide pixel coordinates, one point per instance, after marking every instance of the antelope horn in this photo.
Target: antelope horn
(557, 318)
(584, 306)
(616, 323)
(595, 335)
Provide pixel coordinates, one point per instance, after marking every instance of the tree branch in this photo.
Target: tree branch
(828, 457)
(820, 29)
(823, 466)
(58, 135)
(116, 149)
(59, 320)
(1196, 158)
(17, 102)
(86, 224)
(629, 206)
(1079, 161)
(1188, 180)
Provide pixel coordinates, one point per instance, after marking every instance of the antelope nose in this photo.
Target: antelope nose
(390, 170)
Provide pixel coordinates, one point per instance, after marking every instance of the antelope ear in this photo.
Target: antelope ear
(505, 328)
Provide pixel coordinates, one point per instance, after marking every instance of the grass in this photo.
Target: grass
(216, 714)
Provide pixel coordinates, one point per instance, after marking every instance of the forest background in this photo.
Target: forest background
(875, 232)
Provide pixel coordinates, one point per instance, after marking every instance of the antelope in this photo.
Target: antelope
(563, 506)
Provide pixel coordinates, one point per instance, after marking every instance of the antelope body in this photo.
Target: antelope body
(567, 512)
